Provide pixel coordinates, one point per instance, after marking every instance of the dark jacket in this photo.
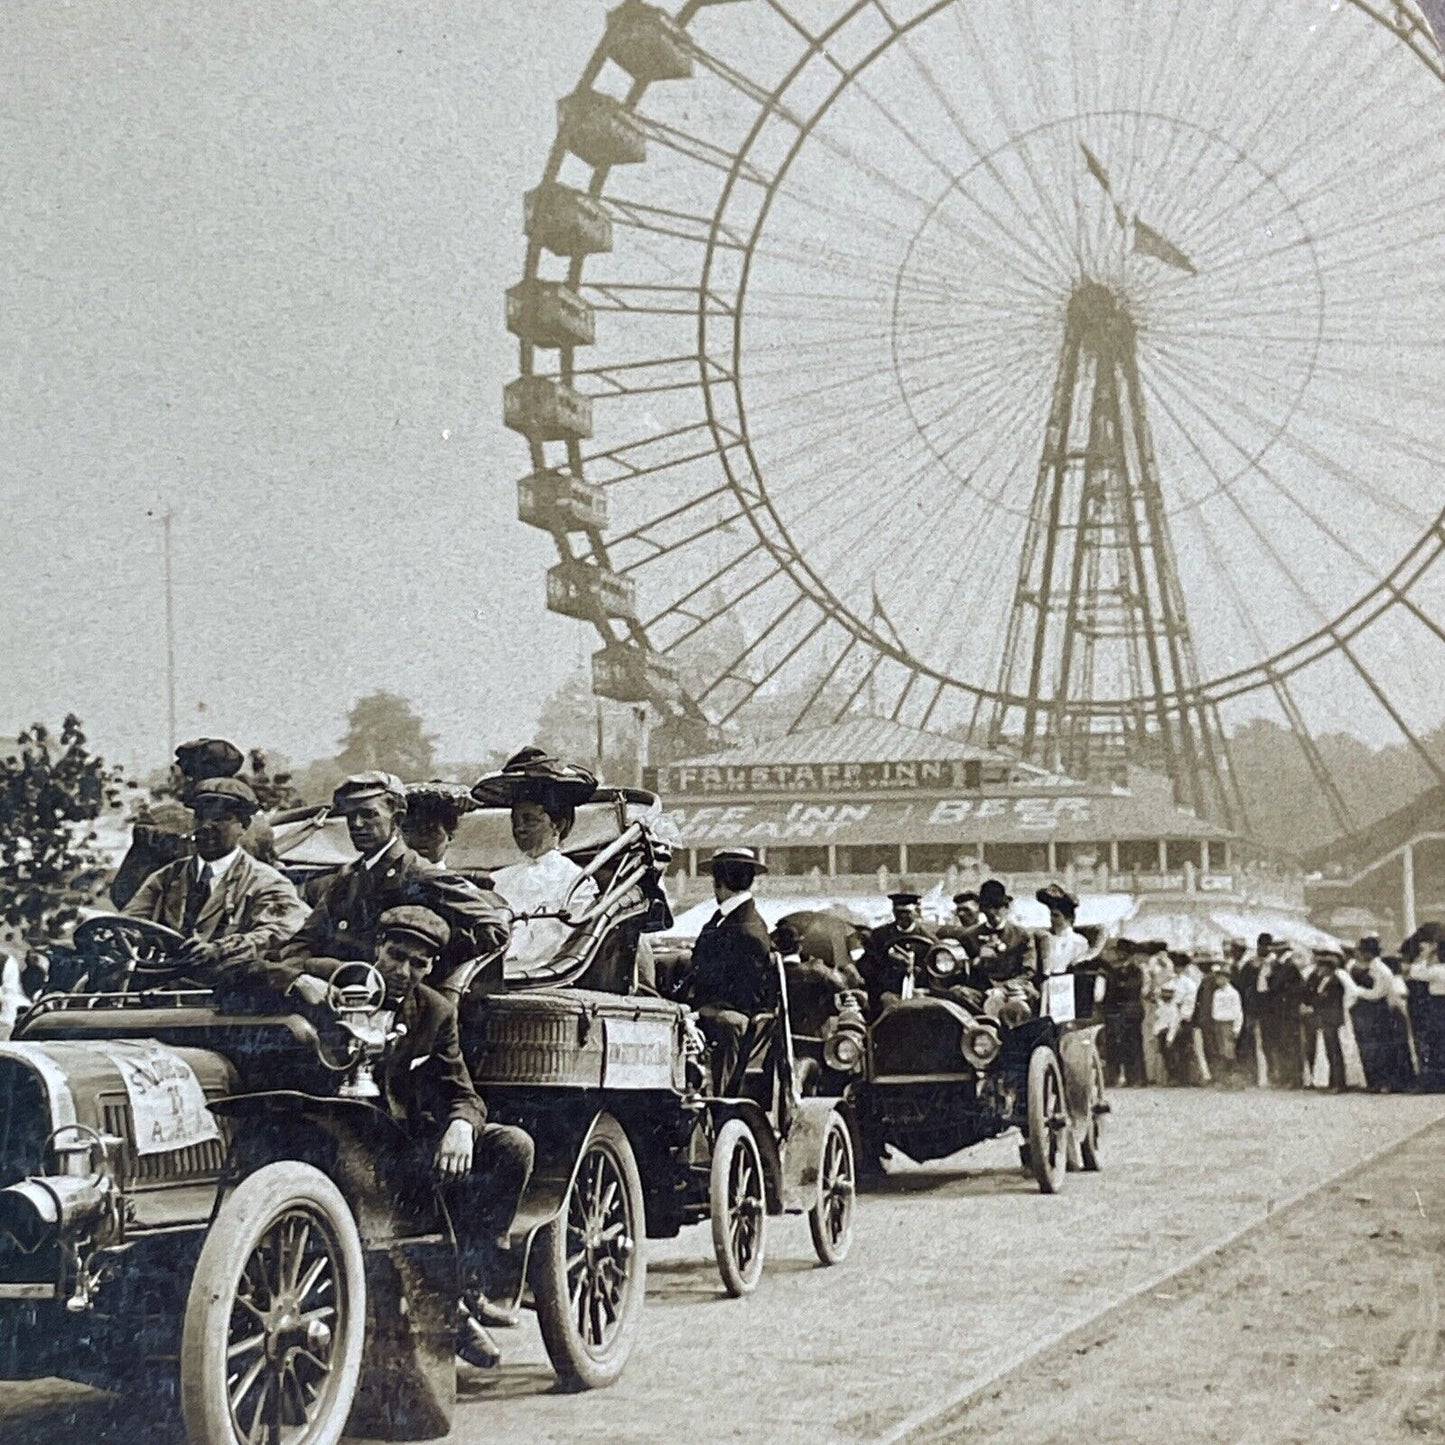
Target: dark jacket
(732, 964)
(1328, 999)
(1006, 952)
(423, 1075)
(343, 923)
(882, 971)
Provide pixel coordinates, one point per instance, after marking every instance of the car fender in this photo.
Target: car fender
(1077, 1047)
(408, 1379)
(802, 1150)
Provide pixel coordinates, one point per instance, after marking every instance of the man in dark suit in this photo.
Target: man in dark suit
(163, 835)
(386, 874)
(482, 1168)
(895, 953)
(733, 978)
(1006, 951)
(231, 909)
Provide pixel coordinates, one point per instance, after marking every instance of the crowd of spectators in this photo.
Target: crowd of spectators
(1274, 1016)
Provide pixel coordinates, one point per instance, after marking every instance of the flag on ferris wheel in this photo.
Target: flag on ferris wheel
(1148, 242)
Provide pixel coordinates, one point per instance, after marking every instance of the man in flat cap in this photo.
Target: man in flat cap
(163, 834)
(385, 874)
(732, 978)
(893, 957)
(482, 1168)
(231, 908)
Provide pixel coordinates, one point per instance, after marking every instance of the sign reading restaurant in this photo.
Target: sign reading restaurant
(794, 778)
(945, 820)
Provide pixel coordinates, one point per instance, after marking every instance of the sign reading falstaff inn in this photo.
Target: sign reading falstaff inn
(795, 778)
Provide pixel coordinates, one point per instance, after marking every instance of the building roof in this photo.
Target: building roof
(854, 740)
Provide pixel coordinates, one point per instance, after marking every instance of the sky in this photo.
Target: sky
(252, 264)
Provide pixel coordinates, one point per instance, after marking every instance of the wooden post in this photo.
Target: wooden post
(1407, 880)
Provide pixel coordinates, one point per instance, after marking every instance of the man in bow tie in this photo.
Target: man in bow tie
(231, 908)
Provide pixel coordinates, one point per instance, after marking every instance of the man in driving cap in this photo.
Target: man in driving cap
(482, 1168)
(732, 979)
(895, 952)
(385, 874)
(163, 834)
(231, 909)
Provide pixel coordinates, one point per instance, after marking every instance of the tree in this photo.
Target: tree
(384, 731)
(51, 790)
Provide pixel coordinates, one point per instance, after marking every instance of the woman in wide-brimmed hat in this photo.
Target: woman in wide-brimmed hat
(543, 794)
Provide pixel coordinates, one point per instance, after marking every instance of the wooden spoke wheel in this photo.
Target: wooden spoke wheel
(739, 1208)
(589, 1272)
(830, 1221)
(1048, 1121)
(275, 1322)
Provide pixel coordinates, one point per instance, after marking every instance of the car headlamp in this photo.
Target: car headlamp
(980, 1044)
(946, 961)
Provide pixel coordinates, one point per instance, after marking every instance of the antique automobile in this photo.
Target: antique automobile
(196, 1191)
(541, 1049)
(943, 1072)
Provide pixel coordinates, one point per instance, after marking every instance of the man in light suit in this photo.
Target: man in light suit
(230, 908)
(733, 977)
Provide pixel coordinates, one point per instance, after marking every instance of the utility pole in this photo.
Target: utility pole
(170, 640)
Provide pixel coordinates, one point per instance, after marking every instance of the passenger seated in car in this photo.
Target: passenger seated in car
(733, 979)
(544, 795)
(231, 908)
(433, 814)
(482, 1168)
(388, 874)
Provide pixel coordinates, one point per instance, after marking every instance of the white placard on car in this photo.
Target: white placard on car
(1059, 997)
(167, 1104)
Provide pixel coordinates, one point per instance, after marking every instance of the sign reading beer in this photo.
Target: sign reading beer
(884, 777)
(943, 820)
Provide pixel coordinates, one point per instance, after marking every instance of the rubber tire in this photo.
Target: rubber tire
(732, 1137)
(1045, 1079)
(577, 1367)
(240, 1222)
(1090, 1139)
(830, 1251)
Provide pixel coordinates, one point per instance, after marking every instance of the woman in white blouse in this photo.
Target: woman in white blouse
(544, 795)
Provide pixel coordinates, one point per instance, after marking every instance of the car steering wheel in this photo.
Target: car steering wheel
(132, 945)
(356, 988)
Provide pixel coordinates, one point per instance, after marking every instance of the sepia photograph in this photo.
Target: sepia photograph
(722, 722)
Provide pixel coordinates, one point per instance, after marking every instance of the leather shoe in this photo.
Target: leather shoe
(475, 1345)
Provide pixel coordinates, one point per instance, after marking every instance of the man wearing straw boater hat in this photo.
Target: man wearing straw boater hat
(732, 978)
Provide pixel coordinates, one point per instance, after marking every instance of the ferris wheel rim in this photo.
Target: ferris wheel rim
(810, 585)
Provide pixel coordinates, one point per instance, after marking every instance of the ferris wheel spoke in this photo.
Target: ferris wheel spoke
(1398, 439)
(679, 607)
(725, 606)
(774, 668)
(1388, 434)
(730, 672)
(1042, 196)
(671, 222)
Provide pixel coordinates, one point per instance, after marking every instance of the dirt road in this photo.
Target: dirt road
(960, 1273)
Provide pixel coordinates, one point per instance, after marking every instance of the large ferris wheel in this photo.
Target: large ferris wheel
(1065, 372)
